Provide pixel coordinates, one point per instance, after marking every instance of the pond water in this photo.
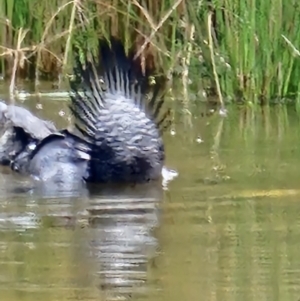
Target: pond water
(227, 228)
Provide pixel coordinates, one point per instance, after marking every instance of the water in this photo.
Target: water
(227, 228)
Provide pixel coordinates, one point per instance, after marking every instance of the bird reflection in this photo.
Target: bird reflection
(121, 222)
(108, 231)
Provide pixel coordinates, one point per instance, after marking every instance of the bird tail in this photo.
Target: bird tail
(116, 75)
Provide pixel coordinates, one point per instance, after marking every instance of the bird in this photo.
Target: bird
(119, 116)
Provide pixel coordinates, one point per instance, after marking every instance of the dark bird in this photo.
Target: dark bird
(119, 117)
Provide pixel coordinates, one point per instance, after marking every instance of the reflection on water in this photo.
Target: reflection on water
(226, 229)
(122, 238)
(106, 238)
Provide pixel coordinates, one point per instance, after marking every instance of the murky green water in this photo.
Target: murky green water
(228, 228)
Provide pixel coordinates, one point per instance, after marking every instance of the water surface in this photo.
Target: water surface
(226, 229)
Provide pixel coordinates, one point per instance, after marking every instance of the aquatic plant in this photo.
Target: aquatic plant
(254, 47)
(221, 50)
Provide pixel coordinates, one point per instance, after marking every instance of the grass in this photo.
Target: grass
(253, 39)
(230, 50)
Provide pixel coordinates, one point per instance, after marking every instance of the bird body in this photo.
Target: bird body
(117, 124)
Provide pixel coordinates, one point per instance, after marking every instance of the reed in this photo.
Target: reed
(256, 54)
(219, 50)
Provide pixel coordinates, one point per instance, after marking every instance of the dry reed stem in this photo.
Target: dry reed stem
(18, 60)
(186, 63)
(295, 50)
(152, 24)
(76, 6)
(165, 52)
(7, 51)
(210, 45)
(41, 45)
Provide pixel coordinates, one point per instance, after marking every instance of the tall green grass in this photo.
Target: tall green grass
(255, 48)
(235, 50)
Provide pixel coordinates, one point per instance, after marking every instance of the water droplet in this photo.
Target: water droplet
(199, 140)
(32, 146)
(223, 112)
